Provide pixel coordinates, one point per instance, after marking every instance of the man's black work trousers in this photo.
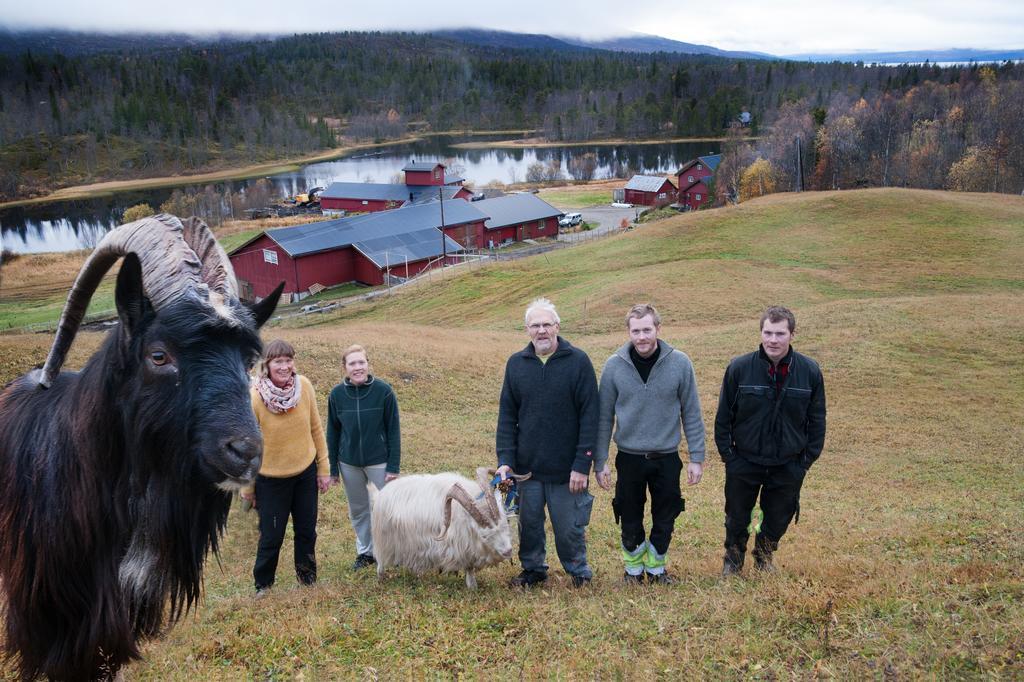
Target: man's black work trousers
(636, 475)
(779, 488)
(276, 499)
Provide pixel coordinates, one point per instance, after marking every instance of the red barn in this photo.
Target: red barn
(515, 217)
(363, 249)
(695, 179)
(650, 190)
(424, 181)
(426, 173)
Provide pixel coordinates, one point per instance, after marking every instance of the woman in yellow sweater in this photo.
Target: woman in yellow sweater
(294, 469)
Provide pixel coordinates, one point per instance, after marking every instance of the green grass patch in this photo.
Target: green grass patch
(233, 241)
(570, 199)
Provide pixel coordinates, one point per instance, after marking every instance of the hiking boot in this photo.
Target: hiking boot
(763, 551)
(732, 562)
(528, 579)
(631, 579)
(362, 561)
(660, 579)
(580, 580)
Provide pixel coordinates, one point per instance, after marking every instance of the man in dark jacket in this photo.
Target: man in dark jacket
(770, 428)
(547, 426)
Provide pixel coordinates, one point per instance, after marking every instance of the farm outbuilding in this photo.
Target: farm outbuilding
(424, 181)
(695, 179)
(365, 248)
(515, 217)
(649, 190)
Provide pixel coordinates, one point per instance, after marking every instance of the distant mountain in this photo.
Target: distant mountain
(73, 43)
(641, 42)
(505, 39)
(957, 55)
(637, 43)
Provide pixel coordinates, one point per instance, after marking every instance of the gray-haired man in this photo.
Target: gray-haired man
(547, 425)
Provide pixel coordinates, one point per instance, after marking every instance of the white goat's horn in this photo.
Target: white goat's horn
(459, 494)
(483, 477)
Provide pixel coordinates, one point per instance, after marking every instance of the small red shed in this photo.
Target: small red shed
(650, 190)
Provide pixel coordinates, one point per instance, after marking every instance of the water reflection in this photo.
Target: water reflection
(60, 226)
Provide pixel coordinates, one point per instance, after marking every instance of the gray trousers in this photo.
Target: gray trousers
(355, 480)
(570, 515)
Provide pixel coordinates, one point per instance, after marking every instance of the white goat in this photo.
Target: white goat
(414, 525)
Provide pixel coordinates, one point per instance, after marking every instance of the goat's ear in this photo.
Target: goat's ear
(129, 295)
(265, 308)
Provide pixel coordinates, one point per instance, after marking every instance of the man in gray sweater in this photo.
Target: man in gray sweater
(648, 389)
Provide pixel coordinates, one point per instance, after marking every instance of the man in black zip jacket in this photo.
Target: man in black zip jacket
(770, 429)
(547, 426)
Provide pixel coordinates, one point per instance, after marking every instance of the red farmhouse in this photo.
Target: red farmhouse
(424, 181)
(650, 190)
(514, 217)
(402, 242)
(694, 181)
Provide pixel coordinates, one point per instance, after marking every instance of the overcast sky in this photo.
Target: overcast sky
(775, 27)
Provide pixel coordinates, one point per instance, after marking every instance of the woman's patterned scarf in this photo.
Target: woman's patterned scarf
(276, 399)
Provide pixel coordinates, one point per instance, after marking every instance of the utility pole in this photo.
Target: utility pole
(444, 244)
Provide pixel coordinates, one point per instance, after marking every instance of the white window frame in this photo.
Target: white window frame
(270, 256)
(698, 197)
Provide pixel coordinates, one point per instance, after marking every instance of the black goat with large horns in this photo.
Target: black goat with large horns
(115, 481)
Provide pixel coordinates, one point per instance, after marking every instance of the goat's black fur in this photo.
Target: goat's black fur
(114, 482)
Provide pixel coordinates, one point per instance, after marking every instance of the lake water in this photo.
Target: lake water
(67, 225)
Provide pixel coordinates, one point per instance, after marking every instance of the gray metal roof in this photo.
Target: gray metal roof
(366, 191)
(515, 209)
(370, 191)
(646, 183)
(711, 161)
(422, 165)
(395, 250)
(303, 240)
(419, 194)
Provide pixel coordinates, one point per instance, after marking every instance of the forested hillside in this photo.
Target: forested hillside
(66, 119)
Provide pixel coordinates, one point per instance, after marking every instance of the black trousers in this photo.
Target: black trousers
(636, 476)
(779, 490)
(276, 499)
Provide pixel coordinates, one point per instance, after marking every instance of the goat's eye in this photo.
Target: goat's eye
(158, 357)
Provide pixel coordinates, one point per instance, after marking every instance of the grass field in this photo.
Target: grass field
(906, 562)
(569, 197)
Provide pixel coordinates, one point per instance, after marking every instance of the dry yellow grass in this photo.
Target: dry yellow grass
(907, 558)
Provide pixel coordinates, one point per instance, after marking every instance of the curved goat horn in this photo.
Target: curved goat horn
(216, 272)
(459, 494)
(483, 477)
(170, 269)
(512, 474)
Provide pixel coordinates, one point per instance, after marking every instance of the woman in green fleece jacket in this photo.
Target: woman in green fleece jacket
(363, 441)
